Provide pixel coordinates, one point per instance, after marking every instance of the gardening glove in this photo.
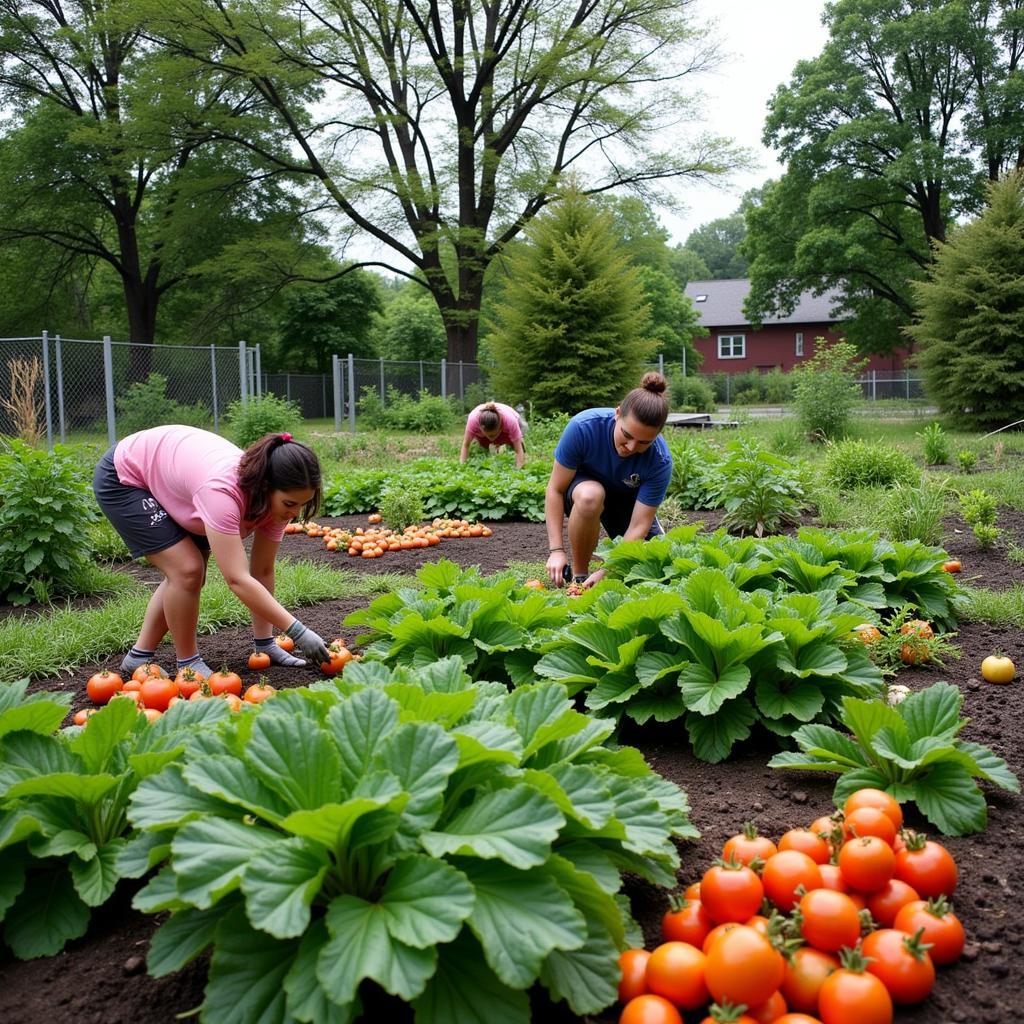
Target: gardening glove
(278, 655)
(312, 644)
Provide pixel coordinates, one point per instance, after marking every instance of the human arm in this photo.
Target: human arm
(467, 440)
(520, 451)
(262, 558)
(640, 524)
(554, 519)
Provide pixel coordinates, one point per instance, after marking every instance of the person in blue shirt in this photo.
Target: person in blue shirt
(612, 468)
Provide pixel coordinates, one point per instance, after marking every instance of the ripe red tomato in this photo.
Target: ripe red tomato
(650, 1009)
(829, 920)
(744, 967)
(900, 963)
(340, 657)
(806, 841)
(285, 642)
(927, 866)
(733, 1018)
(717, 932)
(854, 997)
(676, 972)
(686, 921)
(832, 878)
(784, 873)
(259, 660)
(797, 1018)
(770, 1010)
(870, 821)
(103, 685)
(806, 972)
(82, 716)
(730, 893)
(867, 863)
(157, 692)
(748, 845)
(633, 963)
(259, 692)
(188, 681)
(869, 797)
(887, 902)
(226, 682)
(938, 925)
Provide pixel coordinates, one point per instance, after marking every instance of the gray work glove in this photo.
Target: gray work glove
(311, 644)
(278, 655)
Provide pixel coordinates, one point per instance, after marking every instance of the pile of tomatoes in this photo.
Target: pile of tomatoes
(375, 542)
(832, 925)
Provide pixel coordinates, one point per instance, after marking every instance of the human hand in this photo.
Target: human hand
(556, 565)
(311, 644)
(594, 578)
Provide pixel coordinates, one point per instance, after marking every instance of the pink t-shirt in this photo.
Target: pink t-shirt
(510, 429)
(194, 475)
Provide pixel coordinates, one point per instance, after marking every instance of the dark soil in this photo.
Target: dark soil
(101, 978)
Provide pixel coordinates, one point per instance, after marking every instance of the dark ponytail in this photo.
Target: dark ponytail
(648, 403)
(490, 418)
(277, 463)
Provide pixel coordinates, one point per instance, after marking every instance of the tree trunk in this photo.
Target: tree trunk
(141, 303)
(462, 332)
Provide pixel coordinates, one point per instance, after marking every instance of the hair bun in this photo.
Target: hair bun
(654, 382)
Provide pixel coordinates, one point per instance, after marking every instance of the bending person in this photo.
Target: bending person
(175, 494)
(497, 424)
(612, 469)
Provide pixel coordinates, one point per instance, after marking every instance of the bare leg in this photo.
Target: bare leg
(174, 605)
(585, 524)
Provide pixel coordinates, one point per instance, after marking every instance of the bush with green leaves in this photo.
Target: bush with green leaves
(966, 460)
(761, 492)
(46, 507)
(64, 843)
(911, 751)
(915, 512)
(401, 506)
(853, 463)
(452, 842)
(260, 415)
(978, 508)
(694, 467)
(692, 393)
(145, 404)
(426, 413)
(825, 389)
(935, 444)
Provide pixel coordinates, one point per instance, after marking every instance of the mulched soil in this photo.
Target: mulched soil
(102, 978)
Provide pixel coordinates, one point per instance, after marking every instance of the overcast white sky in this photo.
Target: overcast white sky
(763, 40)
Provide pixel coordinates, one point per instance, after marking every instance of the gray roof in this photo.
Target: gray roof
(723, 305)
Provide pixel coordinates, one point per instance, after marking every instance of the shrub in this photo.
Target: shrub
(966, 459)
(693, 466)
(401, 506)
(915, 512)
(936, 445)
(748, 396)
(978, 507)
(145, 404)
(267, 414)
(825, 389)
(786, 439)
(427, 413)
(691, 393)
(850, 464)
(777, 386)
(761, 492)
(45, 510)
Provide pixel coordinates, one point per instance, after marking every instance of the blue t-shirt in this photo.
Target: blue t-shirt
(587, 445)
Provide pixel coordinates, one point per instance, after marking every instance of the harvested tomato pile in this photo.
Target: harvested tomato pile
(378, 541)
(832, 925)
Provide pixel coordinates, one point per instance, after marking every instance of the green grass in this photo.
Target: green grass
(999, 607)
(47, 644)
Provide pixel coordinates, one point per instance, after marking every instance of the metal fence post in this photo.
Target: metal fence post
(874, 385)
(907, 372)
(381, 380)
(661, 363)
(323, 394)
(351, 393)
(336, 374)
(46, 390)
(59, 371)
(288, 386)
(243, 372)
(108, 381)
(462, 387)
(684, 360)
(444, 377)
(259, 372)
(213, 386)
(727, 382)
(421, 375)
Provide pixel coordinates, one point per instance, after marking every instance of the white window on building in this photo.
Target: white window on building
(732, 346)
(799, 344)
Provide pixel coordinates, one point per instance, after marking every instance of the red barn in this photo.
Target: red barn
(732, 345)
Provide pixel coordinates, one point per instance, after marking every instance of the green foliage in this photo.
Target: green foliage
(145, 404)
(977, 506)
(450, 841)
(911, 751)
(694, 470)
(760, 492)
(717, 243)
(825, 389)
(986, 535)
(970, 318)
(401, 506)
(854, 463)
(691, 393)
(411, 327)
(966, 460)
(263, 414)
(935, 443)
(63, 797)
(46, 507)
(545, 432)
(915, 512)
(426, 413)
(571, 331)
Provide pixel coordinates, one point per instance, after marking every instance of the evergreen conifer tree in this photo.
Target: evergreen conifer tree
(970, 315)
(570, 330)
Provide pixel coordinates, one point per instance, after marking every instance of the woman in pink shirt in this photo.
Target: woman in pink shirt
(497, 424)
(175, 494)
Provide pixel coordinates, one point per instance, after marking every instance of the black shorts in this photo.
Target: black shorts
(138, 517)
(618, 509)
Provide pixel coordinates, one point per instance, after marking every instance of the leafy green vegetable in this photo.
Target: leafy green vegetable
(911, 751)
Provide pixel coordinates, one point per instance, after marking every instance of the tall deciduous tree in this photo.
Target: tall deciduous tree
(717, 243)
(970, 319)
(889, 135)
(445, 128)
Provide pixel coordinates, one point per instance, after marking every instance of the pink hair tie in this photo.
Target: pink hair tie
(286, 437)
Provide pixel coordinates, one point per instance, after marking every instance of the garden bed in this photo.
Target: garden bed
(102, 976)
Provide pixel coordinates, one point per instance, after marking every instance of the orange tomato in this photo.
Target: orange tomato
(157, 692)
(939, 927)
(258, 661)
(901, 964)
(147, 670)
(259, 692)
(867, 863)
(676, 972)
(633, 964)
(770, 1010)
(650, 1009)
(784, 873)
(806, 972)
(869, 797)
(927, 866)
(686, 921)
(230, 682)
(188, 681)
(870, 821)
(730, 893)
(854, 997)
(890, 900)
(829, 920)
(748, 845)
(285, 642)
(806, 841)
(103, 685)
(744, 967)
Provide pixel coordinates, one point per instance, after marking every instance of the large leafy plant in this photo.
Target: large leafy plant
(452, 842)
(63, 797)
(912, 751)
(761, 492)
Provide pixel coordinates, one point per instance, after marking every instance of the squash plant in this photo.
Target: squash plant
(63, 797)
(450, 841)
